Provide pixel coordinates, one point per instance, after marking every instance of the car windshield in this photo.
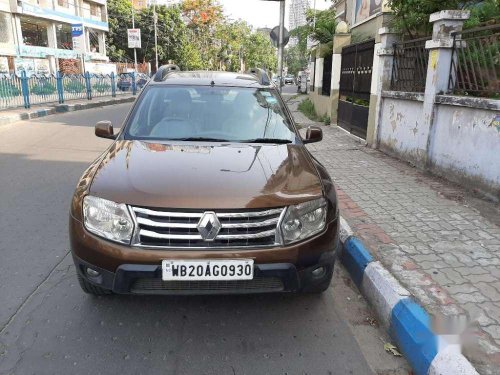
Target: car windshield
(210, 113)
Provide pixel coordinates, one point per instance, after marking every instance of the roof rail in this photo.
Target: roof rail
(162, 72)
(261, 75)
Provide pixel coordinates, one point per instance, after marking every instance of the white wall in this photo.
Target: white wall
(463, 145)
(466, 143)
(401, 131)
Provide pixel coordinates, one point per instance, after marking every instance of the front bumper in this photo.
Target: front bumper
(146, 279)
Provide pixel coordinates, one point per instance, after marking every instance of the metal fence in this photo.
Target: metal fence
(475, 64)
(24, 91)
(409, 69)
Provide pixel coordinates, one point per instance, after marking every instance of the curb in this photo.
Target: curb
(407, 322)
(60, 108)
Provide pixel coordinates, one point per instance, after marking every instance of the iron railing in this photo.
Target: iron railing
(409, 69)
(24, 91)
(475, 63)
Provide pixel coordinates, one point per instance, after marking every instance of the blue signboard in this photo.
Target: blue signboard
(76, 30)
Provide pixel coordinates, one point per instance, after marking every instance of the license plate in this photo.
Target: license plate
(241, 269)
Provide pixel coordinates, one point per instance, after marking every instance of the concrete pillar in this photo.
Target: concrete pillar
(440, 49)
(383, 59)
(318, 76)
(52, 35)
(340, 40)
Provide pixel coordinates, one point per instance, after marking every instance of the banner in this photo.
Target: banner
(367, 8)
(134, 38)
(78, 37)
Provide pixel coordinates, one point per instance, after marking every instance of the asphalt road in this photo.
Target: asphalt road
(49, 326)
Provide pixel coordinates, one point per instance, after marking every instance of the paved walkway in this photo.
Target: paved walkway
(440, 242)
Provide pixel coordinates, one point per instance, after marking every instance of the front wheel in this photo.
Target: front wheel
(320, 287)
(91, 288)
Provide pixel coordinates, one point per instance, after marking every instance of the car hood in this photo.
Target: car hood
(204, 176)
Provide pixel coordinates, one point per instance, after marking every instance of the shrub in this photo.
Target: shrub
(43, 88)
(74, 86)
(101, 87)
(8, 90)
(307, 108)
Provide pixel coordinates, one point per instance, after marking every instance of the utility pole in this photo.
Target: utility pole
(155, 19)
(135, 49)
(280, 43)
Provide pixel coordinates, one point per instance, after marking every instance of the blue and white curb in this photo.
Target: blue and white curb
(407, 322)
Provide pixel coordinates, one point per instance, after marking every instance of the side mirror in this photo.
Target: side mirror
(104, 129)
(313, 134)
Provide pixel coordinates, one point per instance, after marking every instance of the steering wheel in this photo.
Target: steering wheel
(169, 125)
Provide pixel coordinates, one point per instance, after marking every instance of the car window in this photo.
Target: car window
(228, 113)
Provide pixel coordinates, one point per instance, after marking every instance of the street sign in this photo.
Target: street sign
(134, 38)
(275, 34)
(77, 37)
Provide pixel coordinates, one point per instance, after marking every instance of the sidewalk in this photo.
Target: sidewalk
(11, 115)
(439, 242)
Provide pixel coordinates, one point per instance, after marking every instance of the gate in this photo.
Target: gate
(355, 85)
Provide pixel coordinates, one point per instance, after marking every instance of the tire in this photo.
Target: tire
(91, 288)
(321, 287)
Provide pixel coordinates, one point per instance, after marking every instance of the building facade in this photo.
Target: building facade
(297, 16)
(45, 36)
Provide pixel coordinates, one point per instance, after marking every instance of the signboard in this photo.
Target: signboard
(24, 65)
(78, 37)
(4, 66)
(31, 66)
(42, 67)
(275, 35)
(134, 38)
(100, 68)
(366, 9)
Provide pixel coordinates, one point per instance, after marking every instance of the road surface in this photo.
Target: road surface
(49, 326)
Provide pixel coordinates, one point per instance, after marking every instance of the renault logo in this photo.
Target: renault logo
(209, 226)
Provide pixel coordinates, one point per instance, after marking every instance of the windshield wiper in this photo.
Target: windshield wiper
(267, 140)
(200, 139)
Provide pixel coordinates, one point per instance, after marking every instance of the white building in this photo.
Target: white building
(297, 16)
(36, 35)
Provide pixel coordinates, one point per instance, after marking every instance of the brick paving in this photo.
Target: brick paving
(440, 247)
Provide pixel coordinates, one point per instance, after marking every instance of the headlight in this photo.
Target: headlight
(107, 219)
(303, 220)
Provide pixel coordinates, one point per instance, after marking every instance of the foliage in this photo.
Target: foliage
(202, 12)
(307, 108)
(116, 39)
(194, 34)
(412, 16)
(296, 56)
(324, 29)
(101, 87)
(487, 11)
(43, 88)
(74, 86)
(171, 30)
(8, 90)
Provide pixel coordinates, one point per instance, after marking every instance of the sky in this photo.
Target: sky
(261, 13)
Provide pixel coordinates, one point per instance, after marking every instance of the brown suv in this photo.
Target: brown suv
(207, 188)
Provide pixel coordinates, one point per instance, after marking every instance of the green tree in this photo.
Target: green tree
(324, 28)
(412, 16)
(172, 34)
(116, 39)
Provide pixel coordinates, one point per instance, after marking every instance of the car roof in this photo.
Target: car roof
(210, 78)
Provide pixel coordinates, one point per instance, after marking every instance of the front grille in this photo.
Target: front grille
(161, 228)
(258, 284)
